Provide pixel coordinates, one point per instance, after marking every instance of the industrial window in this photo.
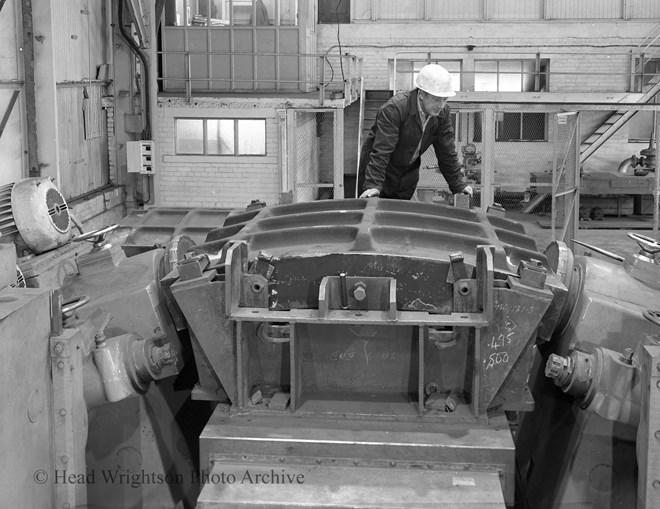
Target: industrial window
(218, 13)
(519, 75)
(220, 136)
(526, 75)
(406, 71)
(520, 126)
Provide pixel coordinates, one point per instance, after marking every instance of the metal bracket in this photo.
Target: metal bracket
(648, 433)
(235, 266)
(458, 269)
(379, 294)
(485, 280)
(69, 416)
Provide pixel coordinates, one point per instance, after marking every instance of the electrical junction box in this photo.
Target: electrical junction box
(139, 157)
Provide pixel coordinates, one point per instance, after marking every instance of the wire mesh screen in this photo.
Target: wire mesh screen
(509, 158)
(468, 131)
(565, 179)
(313, 161)
(522, 157)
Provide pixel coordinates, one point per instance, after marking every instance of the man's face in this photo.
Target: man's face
(432, 105)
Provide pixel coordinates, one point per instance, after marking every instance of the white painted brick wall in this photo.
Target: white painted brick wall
(215, 181)
(377, 43)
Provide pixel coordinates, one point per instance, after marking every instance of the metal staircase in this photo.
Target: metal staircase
(606, 130)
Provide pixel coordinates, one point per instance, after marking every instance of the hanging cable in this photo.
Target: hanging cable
(341, 63)
(146, 133)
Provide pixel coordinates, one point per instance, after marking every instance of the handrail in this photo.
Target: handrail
(639, 67)
(657, 36)
(527, 54)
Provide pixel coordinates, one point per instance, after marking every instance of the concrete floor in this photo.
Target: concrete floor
(614, 240)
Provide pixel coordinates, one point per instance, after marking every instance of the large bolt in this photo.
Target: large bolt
(360, 291)
(627, 356)
(559, 369)
(162, 356)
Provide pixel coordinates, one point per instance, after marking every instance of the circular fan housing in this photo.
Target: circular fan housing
(41, 214)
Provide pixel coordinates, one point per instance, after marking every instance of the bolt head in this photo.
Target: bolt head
(360, 292)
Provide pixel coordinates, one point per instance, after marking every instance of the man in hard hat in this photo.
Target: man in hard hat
(405, 127)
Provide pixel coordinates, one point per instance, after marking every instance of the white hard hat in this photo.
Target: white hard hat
(435, 80)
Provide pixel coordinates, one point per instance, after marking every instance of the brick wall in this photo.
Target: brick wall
(378, 42)
(215, 181)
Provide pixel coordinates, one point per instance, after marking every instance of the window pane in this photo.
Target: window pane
(220, 137)
(529, 76)
(510, 79)
(508, 126)
(241, 13)
(175, 13)
(252, 137)
(485, 77)
(533, 126)
(289, 12)
(476, 135)
(189, 136)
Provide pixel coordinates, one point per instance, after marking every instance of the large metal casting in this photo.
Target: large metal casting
(382, 314)
(347, 353)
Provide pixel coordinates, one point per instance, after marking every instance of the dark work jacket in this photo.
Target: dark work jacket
(385, 158)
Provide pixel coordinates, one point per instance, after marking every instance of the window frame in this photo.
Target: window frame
(540, 75)
(499, 128)
(186, 18)
(236, 140)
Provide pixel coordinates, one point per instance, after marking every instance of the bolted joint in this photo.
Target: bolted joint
(559, 368)
(162, 356)
(627, 356)
(574, 374)
(360, 291)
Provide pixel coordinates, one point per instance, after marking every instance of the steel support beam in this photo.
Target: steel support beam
(41, 90)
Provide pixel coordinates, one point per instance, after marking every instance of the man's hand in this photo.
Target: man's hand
(370, 193)
(468, 190)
